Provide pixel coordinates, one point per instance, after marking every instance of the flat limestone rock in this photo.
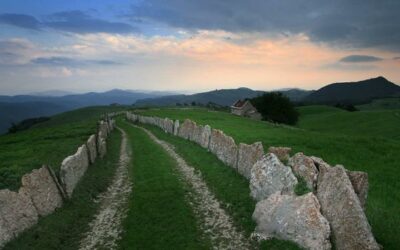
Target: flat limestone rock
(73, 168)
(40, 186)
(186, 129)
(269, 176)
(283, 153)
(297, 219)
(223, 147)
(92, 148)
(359, 181)
(342, 208)
(248, 155)
(17, 213)
(176, 127)
(304, 166)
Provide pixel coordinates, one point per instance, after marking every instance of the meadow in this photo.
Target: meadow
(365, 141)
(46, 143)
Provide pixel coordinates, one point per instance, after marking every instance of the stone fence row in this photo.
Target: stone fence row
(42, 191)
(332, 210)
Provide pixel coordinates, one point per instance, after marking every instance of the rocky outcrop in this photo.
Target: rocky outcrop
(269, 176)
(223, 147)
(176, 127)
(40, 186)
(17, 213)
(73, 168)
(92, 148)
(283, 153)
(297, 219)
(248, 155)
(304, 166)
(186, 129)
(359, 181)
(342, 208)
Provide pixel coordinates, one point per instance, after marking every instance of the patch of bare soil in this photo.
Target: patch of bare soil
(106, 228)
(214, 221)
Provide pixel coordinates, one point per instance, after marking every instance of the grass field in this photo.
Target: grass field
(46, 143)
(381, 104)
(64, 228)
(375, 152)
(159, 215)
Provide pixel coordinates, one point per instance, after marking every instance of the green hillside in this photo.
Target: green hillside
(46, 143)
(372, 149)
(380, 104)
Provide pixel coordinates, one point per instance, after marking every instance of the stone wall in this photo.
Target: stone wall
(42, 192)
(333, 209)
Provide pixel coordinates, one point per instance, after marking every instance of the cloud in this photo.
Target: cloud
(360, 59)
(70, 62)
(20, 20)
(396, 58)
(16, 51)
(358, 24)
(69, 21)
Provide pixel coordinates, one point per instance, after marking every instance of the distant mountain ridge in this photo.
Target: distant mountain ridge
(223, 97)
(354, 92)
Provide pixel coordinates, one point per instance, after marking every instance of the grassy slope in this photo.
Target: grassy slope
(375, 155)
(159, 215)
(229, 187)
(381, 104)
(374, 123)
(46, 143)
(64, 228)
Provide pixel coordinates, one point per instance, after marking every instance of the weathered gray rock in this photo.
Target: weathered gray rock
(101, 145)
(248, 155)
(17, 213)
(168, 126)
(359, 181)
(297, 219)
(269, 176)
(103, 129)
(176, 127)
(92, 148)
(283, 153)
(319, 162)
(201, 135)
(73, 168)
(186, 129)
(304, 166)
(223, 147)
(341, 207)
(40, 186)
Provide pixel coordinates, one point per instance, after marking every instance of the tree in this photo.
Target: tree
(276, 107)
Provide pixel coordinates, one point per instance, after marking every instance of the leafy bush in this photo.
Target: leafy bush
(276, 107)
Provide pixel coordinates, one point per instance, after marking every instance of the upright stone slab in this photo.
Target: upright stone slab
(304, 166)
(341, 207)
(283, 153)
(297, 219)
(103, 129)
(168, 126)
(223, 147)
(269, 176)
(40, 186)
(176, 127)
(319, 163)
(92, 148)
(101, 145)
(17, 213)
(73, 168)
(186, 129)
(201, 135)
(248, 155)
(359, 181)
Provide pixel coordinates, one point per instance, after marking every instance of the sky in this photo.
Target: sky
(191, 46)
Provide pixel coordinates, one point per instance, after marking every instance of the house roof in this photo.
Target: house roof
(239, 104)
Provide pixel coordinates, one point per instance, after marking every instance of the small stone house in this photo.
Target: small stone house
(246, 109)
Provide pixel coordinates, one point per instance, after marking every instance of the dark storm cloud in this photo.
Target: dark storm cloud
(356, 23)
(70, 62)
(360, 59)
(20, 20)
(69, 21)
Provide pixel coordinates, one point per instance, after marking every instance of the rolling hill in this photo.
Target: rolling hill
(354, 92)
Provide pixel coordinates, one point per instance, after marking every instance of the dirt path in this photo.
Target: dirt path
(215, 223)
(106, 227)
